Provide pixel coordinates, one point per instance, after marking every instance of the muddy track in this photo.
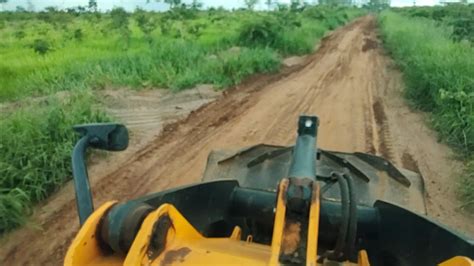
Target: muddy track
(349, 83)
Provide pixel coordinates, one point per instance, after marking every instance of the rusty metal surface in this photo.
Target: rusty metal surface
(291, 237)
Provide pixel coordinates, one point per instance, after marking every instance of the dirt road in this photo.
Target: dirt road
(349, 83)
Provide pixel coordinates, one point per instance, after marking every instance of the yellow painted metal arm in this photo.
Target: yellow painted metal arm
(458, 261)
(85, 248)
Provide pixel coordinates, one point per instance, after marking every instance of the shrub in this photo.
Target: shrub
(463, 28)
(314, 13)
(78, 35)
(119, 18)
(145, 23)
(19, 34)
(299, 40)
(259, 31)
(231, 69)
(41, 46)
(459, 17)
(120, 24)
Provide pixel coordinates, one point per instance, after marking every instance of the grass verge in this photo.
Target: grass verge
(36, 144)
(175, 52)
(439, 74)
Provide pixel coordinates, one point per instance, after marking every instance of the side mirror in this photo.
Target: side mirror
(104, 136)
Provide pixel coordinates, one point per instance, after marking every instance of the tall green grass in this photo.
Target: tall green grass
(171, 56)
(459, 17)
(439, 75)
(175, 64)
(36, 143)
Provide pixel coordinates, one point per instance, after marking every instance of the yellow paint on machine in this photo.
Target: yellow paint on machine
(313, 228)
(458, 261)
(85, 249)
(184, 245)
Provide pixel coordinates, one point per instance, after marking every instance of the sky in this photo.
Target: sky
(152, 5)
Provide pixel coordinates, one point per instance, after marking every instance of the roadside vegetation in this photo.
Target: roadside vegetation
(53, 61)
(36, 142)
(58, 50)
(436, 55)
(460, 18)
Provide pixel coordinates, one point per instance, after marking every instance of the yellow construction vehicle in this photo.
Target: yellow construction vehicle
(266, 205)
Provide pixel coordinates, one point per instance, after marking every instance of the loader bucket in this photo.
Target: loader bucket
(263, 166)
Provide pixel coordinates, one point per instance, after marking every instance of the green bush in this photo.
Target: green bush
(233, 68)
(120, 24)
(300, 40)
(41, 46)
(78, 35)
(315, 13)
(19, 34)
(259, 31)
(463, 28)
(146, 23)
(291, 33)
(459, 17)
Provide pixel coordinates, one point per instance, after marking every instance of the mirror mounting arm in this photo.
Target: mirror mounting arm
(85, 206)
(103, 136)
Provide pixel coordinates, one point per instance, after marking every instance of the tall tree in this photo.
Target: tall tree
(195, 4)
(51, 9)
(92, 6)
(145, 23)
(120, 23)
(251, 4)
(379, 4)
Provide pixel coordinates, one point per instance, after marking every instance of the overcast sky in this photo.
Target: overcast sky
(132, 4)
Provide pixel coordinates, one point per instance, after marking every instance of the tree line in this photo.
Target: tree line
(92, 5)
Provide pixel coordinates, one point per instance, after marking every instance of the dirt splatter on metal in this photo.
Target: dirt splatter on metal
(175, 255)
(291, 238)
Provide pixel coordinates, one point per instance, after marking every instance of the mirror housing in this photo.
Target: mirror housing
(104, 136)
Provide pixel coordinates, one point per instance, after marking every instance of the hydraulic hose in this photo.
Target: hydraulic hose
(345, 212)
(352, 230)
